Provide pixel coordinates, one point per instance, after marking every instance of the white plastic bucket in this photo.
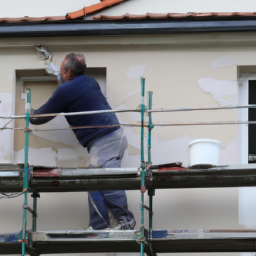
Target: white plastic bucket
(204, 152)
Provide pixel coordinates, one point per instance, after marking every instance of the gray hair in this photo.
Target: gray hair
(76, 64)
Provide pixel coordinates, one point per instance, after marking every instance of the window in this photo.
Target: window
(252, 117)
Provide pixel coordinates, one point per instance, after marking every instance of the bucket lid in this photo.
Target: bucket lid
(204, 140)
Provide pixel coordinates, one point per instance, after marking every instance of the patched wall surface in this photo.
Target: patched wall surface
(180, 76)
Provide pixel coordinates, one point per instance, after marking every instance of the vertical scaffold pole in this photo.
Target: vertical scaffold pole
(25, 174)
(143, 166)
(151, 191)
(150, 94)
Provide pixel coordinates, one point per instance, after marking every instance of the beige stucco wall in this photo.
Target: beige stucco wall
(178, 69)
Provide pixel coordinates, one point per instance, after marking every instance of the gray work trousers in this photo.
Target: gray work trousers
(107, 152)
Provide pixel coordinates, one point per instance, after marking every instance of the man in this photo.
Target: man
(106, 146)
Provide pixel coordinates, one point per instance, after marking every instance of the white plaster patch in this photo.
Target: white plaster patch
(50, 157)
(71, 154)
(130, 94)
(78, 157)
(135, 72)
(132, 137)
(135, 116)
(42, 156)
(5, 154)
(175, 150)
(9, 78)
(224, 62)
(225, 92)
(131, 117)
(6, 146)
(229, 155)
(121, 107)
(132, 161)
(64, 136)
(5, 104)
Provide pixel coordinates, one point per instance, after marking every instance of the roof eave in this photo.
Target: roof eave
(96, 28)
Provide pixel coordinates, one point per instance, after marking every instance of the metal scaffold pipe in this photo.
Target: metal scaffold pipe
(206, 123)
(147, 124)
(72, 113)
(150, 191)
(127, 110)
(143, 166)
(135, 125)
(198, 109)
(150, 125)
(25, 174)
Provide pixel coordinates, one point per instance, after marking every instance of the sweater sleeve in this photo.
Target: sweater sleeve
(56, 104)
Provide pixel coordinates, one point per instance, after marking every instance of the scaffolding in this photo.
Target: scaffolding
(146, 177)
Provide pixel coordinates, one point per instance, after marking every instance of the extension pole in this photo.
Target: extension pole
(151, 191)
(25, 174)
(35, 195)
(143, 166)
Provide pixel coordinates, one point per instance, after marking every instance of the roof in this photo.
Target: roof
(72, 15)
(32, 19)
(124, 27)
(190, 15)
(128, 16)
(93, 8)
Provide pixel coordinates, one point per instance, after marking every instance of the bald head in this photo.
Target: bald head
(72, 66)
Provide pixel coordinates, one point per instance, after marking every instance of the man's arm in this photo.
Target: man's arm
(56, 104)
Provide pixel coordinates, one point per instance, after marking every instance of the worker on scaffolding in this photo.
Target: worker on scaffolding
(106, 145)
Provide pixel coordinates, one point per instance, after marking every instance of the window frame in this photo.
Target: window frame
(243, 99)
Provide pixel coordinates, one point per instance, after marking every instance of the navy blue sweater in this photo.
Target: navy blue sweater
(80, 94)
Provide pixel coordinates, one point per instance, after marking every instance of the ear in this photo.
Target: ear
(69, 72)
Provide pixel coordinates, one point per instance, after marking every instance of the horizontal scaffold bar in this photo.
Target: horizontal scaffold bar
(72, 113)
(138, 125)
(152, 125)
(127, 110)
(198, 109)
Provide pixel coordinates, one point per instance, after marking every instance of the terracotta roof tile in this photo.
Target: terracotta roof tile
(32, 19)
(128, 16)
(192, 15)
(72, 15)
(93, 8)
